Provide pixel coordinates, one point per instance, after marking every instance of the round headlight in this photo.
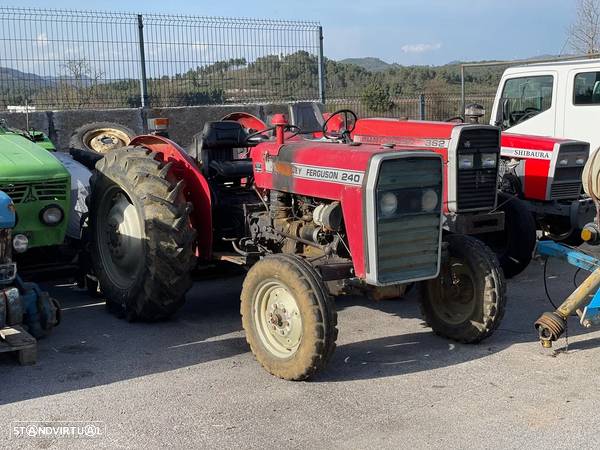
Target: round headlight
(52, 215)
(20, 243)
(388, 203)
(429, 200)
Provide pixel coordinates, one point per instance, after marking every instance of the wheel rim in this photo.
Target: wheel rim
(457, 300)
(277, 319)
(120, 238)
(103, 140)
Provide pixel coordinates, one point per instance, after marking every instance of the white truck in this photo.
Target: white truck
(558, 99)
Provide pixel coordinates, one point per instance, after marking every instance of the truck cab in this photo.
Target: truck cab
(559, 99)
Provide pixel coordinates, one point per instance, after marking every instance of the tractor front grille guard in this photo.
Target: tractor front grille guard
(476, 186)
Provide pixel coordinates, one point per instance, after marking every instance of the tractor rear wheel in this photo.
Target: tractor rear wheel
(466, 302)
(142, 242)
(289, 318)
(515, 244)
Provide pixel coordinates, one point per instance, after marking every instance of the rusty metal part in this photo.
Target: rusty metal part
(579, 297)
(550, 327)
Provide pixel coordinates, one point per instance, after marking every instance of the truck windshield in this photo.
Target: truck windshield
(524, 98)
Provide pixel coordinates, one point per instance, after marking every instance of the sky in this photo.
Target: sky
(403, 31)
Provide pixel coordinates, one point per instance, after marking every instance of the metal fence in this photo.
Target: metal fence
(58, 59)
(417, 107)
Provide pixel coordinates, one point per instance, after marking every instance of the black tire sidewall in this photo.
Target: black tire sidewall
(519, 234)
(126, 297)
(488, 285)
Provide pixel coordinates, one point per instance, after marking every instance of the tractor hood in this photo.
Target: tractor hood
(296, 165)
(21, 159)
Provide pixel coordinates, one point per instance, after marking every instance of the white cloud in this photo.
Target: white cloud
(420, 48)
(42, 39)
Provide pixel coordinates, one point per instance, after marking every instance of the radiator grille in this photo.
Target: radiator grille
(477, 188)
(26, 192)
(408, 242)
(565, 190)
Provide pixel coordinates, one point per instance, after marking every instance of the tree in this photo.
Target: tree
(584, 33)
(376, 98)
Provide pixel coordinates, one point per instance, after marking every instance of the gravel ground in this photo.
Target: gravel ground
(391, 383)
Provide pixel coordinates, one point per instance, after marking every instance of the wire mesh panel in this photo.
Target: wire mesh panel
(59, 59)
(56, 59)
(201, 60)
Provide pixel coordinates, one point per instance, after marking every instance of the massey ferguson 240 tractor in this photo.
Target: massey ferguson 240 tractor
(298, 213)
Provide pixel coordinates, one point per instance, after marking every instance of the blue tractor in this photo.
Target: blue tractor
(26, 312)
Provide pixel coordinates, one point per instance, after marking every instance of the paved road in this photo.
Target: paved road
(392, 383)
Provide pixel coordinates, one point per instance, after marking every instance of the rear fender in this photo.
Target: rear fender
(247, 120)
(197, 191)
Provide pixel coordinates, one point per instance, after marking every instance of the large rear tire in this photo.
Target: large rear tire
(515, 244)
(467, 301)
(142, 242)
(289, 318)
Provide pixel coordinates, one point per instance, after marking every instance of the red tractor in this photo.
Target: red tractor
(471, 155)
(298, 213)
(546, 173)
(539, 178)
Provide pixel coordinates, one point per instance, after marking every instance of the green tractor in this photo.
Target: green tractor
(47, 196)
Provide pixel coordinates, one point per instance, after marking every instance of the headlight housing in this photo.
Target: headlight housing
(388, 204)
(563, 162)
(488, 160)
(20, 243)
(429, 200)
(465, 161)
(52, 215)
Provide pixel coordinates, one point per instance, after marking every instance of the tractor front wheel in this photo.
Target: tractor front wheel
(466, 301)
(289, 318)
(142, 244)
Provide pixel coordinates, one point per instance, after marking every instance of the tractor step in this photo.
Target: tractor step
(16, 339)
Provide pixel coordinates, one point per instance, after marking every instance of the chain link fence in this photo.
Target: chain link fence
(58, 59)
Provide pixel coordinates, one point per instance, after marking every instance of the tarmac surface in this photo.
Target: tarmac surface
(192, 382)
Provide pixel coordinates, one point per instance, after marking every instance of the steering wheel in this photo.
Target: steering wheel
(344, 135)
(520, 116)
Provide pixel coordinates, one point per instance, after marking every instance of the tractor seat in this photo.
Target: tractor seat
(239, 168)
(219, 145)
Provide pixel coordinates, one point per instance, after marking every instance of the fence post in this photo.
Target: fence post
(421, 107)
(321, 69)
(143, 79)
(462, 90)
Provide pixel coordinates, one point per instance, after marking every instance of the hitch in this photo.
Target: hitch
(551, 325)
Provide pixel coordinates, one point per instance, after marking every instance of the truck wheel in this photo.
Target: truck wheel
(466, 302)
(515, 244)
(142, 242)
(101, 137)
(289, 318)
